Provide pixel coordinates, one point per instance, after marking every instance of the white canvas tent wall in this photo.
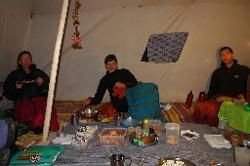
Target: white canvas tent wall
(14, 27)
(123, 27)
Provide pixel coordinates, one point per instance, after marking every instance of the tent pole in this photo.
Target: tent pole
(54, 69)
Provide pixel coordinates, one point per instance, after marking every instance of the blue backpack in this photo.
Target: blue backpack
(143, 101)
(7, 135)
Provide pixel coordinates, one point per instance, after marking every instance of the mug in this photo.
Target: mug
(241, 155)
(119, 160)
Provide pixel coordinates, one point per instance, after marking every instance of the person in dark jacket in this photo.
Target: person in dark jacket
(114, 80)
(230, 79)
(28, 87)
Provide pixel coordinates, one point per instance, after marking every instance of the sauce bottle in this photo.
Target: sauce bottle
(189, 99)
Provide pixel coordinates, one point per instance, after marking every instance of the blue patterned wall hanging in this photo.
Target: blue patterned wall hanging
(164, 48)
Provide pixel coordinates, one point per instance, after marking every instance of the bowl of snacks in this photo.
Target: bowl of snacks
(89, 113)
(141, 138)
(175, 161)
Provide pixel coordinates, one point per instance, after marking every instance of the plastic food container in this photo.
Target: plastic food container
(172, 133)
(113, 136)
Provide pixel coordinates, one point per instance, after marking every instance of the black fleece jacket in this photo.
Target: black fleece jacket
(108, 81)
(229, 81)
(28, 90)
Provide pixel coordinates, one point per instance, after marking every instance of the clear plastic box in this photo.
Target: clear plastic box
(113, 136)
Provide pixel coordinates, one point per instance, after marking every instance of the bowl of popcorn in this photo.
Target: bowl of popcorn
(175, 161)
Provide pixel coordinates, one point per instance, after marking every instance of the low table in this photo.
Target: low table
(198, 151)
(236, 116)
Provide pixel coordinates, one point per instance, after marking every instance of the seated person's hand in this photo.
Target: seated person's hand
(119, 90)
(224, 98)
(19, 85)
(240, 100)
(39, 81)
(241, 97)
(120, 85)
(86, 102)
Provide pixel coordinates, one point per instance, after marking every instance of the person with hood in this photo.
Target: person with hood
(28, 86)
(228, 81)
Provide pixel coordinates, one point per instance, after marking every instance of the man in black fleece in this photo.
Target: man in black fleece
(230, 79)
(114, 78)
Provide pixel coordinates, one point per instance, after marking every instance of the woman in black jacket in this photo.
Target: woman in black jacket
(28, 87)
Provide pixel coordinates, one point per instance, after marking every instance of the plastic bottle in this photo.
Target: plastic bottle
(146, 127)
(189, 99)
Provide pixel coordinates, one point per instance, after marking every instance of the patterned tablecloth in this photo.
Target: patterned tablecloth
(198, 151)
(237, 116)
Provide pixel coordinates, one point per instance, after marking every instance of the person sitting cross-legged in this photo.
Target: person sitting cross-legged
(227, 82)
(28, 87)
(115, 81)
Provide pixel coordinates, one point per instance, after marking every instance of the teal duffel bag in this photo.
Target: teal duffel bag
(143, 101)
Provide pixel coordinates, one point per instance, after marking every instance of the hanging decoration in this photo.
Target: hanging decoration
(76, 39)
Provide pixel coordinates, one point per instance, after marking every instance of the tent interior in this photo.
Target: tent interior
(122, 27)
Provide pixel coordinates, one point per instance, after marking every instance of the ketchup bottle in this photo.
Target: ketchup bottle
(202, 97)
(189, 99)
